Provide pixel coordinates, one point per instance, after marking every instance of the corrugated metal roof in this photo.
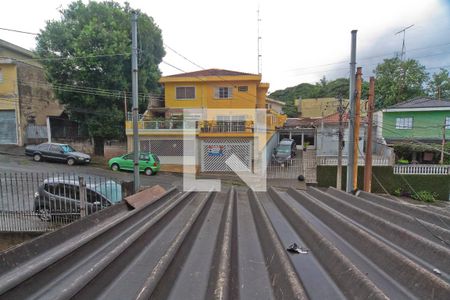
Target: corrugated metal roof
(233, 246)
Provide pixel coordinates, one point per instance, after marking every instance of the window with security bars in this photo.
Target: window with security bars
(447, 122)
(223, 93)
(185, 92)
(403, 123)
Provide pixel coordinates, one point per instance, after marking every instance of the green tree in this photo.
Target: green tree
(439, 85)
(290, 109)
(89, 47)
(398, 80)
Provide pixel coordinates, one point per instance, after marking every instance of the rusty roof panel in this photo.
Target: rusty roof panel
(190, 245)
(145, 197)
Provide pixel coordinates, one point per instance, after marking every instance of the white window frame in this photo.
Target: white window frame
(219, 92)
(184, 87)
(404, 123)
(231, 118)
(447, 122)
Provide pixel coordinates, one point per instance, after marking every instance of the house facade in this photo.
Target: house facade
(221, 121)
(26, 99)
(419, 119)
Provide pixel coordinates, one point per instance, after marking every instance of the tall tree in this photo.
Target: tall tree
(439, 85)
(88, 61)
(398, 80)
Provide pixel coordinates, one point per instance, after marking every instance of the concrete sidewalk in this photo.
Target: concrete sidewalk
(12, 150)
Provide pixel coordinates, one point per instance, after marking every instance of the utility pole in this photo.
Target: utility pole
(368, 163)
(341, 111)
(357, 123)
(443, 144)
(351, 154)
(403, 42)
(134, 79)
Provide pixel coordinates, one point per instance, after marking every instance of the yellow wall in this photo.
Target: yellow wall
(321, 107)
(205, 92)
(8, 86)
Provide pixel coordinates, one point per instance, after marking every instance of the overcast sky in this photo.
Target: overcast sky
(301, 40)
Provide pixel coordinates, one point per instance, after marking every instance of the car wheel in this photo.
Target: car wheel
(44, 214)
(115, 167)
(71, 161)
(37, 157)
(148, 171)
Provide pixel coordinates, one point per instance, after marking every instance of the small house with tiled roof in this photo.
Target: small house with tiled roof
(416, 128)
(419, 120)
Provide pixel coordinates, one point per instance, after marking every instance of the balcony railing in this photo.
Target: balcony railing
(169, 124)
(223, 127)
(203, 126)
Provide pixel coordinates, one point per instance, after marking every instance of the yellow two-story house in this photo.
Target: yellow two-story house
(227, 100)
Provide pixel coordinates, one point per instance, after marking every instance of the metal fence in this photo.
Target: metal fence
(333, 161)
(422, 169)
(42, 202)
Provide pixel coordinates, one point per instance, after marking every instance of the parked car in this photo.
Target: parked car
(148, 163)
(60, 196)
(57, 152)
(285, 151)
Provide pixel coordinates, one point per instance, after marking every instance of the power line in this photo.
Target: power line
(184, 57)
(371, 57)
(19, 31)
(73, 57)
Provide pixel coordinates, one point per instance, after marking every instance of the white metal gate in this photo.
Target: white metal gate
(8, 127)
(215, 152)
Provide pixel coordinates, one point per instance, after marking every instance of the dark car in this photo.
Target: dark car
(57, 152)
(285, 151)
(60, 197)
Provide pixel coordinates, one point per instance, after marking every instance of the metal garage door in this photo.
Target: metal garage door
(215, 152)
(8, 129)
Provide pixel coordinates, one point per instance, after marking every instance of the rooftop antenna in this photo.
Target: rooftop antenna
(259, 44)
(403, 43)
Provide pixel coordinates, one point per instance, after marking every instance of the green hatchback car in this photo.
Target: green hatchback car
(148, 163)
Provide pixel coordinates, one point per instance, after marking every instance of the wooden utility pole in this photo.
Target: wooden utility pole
(356, 127)
(443, 144)
(368, 162)
(341, 111)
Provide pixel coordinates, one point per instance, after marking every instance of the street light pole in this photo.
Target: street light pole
(134, 80)
(351, 133)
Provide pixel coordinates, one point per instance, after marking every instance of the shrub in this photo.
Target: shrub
(403, 161)
(425, 196)
(397, 192)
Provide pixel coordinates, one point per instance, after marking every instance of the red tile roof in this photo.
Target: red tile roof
(212, 72)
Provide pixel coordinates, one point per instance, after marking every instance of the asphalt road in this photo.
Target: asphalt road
(22, 164)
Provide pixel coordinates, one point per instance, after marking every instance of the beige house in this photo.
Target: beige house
(321, 107)
(26, 99)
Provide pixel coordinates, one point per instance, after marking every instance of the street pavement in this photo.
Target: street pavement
(18, 163)
(17, 190)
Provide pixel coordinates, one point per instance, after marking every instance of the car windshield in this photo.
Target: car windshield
(67, 148)
(284, 149)
(110, 190)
